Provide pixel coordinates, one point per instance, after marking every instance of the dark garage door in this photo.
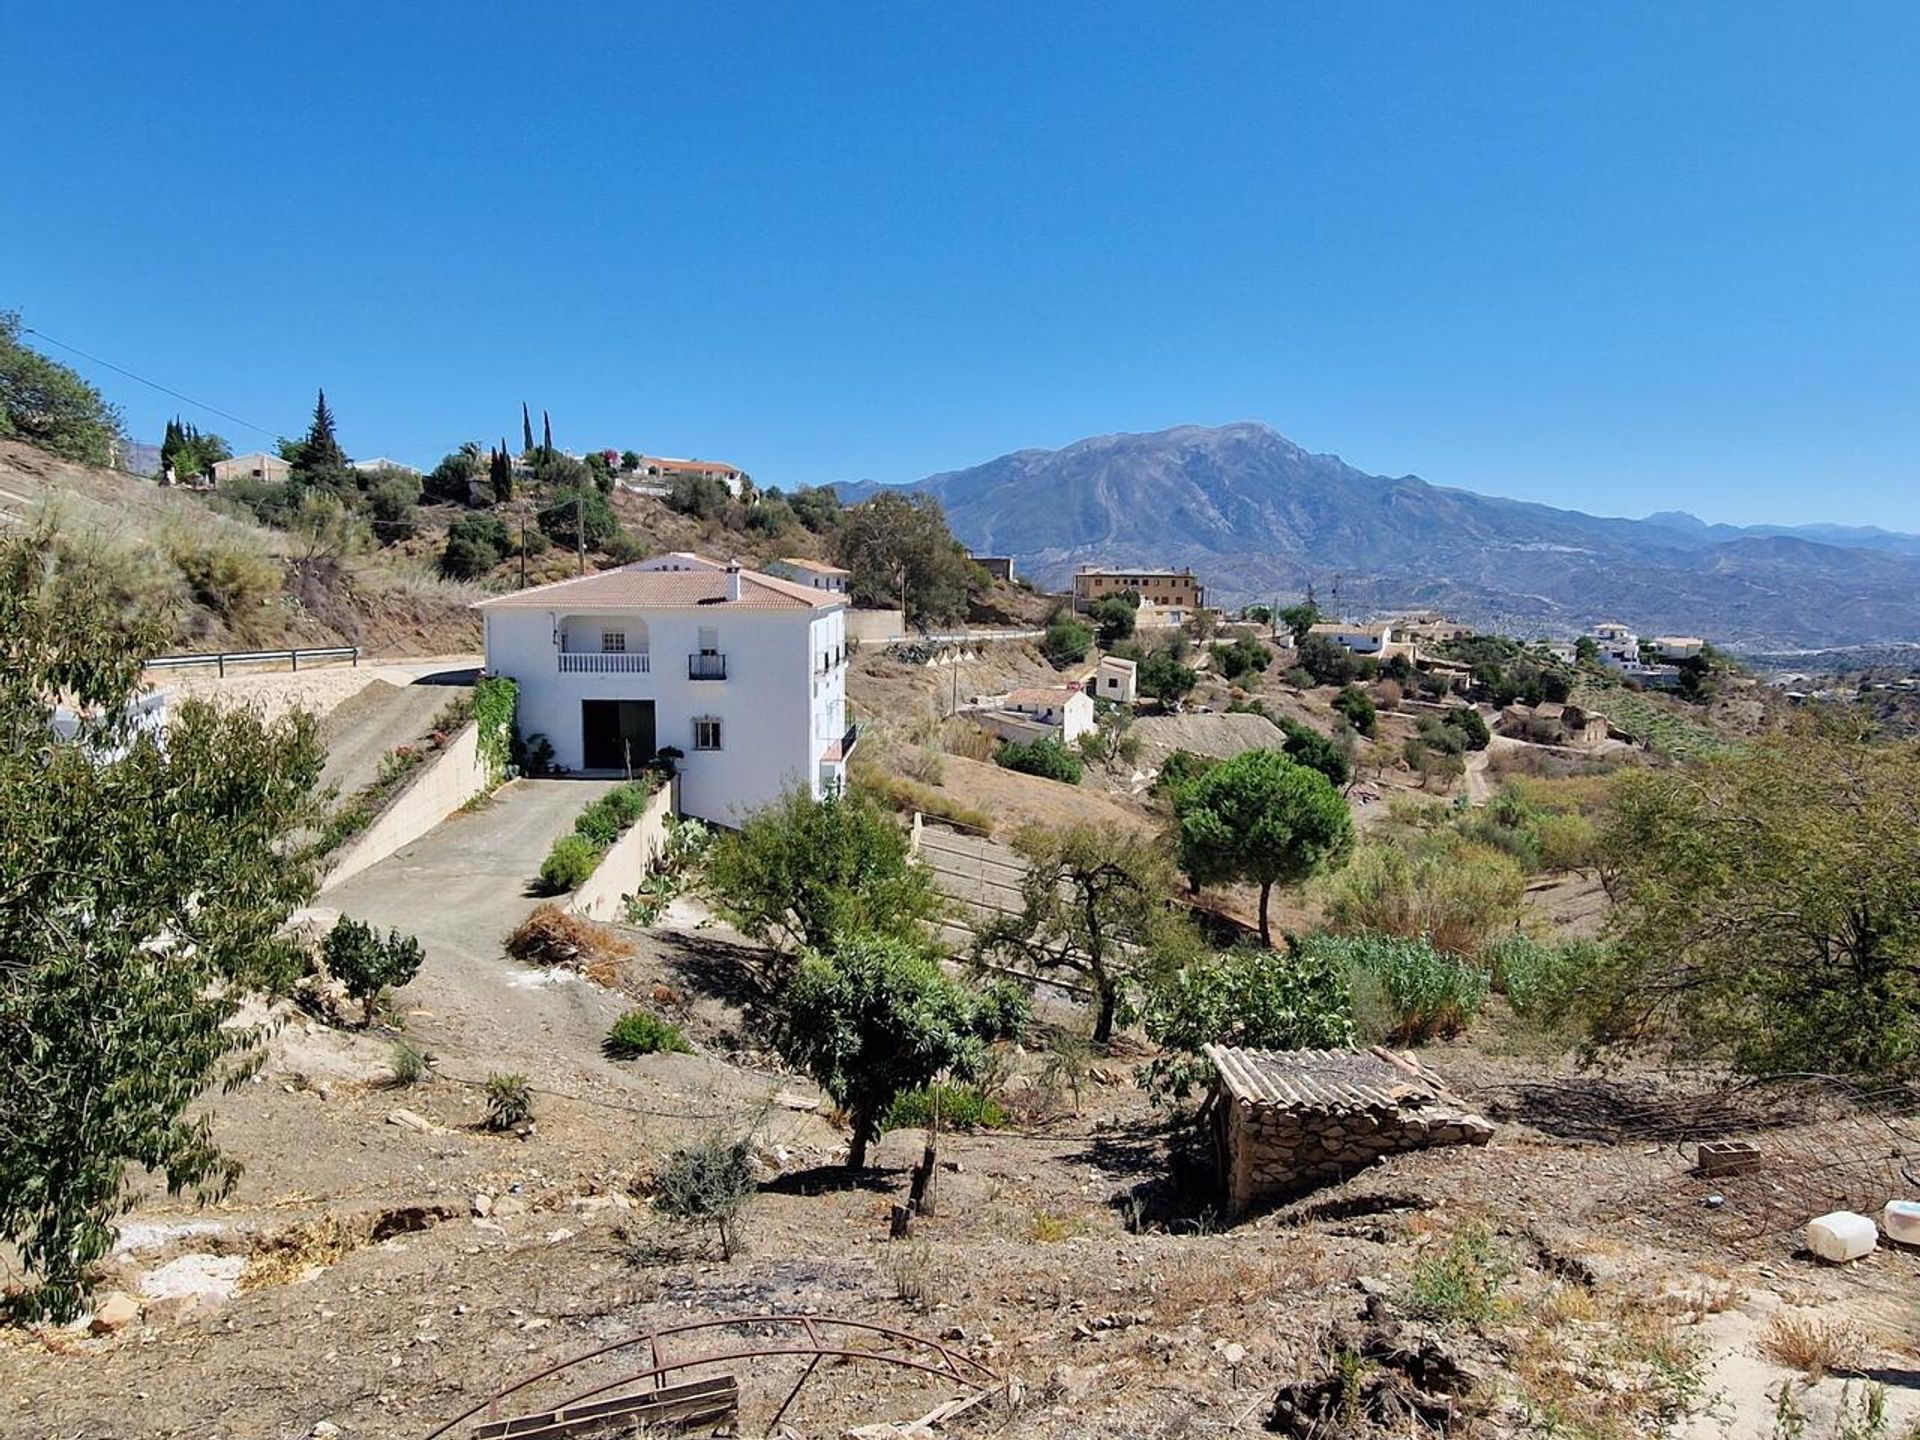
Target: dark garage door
(616, 734)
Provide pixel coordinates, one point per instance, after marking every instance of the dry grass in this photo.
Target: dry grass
(550, 936)
(906, 796)
(282, 1258)
(1813, 1345)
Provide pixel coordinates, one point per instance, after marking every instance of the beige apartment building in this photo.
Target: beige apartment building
(1175, 590)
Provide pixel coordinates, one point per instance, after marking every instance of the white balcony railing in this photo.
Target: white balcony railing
(595, 662)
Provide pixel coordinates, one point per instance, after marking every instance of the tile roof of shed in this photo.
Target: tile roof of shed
(1372, 1079)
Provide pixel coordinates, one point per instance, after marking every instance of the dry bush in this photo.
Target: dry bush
(550, 936)
(1814, 1346)
(924, 764)
(226, 570)
(966, 739)
(905, 796)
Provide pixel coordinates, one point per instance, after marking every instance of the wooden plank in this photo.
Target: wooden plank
(691, 1402)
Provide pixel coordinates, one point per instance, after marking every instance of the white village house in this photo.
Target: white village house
(1371, 639)
(744, 673)
(1038, 712)
(1117, 679)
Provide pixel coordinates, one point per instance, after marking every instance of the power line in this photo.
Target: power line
(154, 384)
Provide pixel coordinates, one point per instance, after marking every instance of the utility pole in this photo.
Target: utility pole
(523, 548)
(580, 528)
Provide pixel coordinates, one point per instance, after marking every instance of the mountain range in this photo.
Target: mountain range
(1258, 517)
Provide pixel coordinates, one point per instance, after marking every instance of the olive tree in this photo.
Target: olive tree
(1262, 818)
(143, 890)
(1094, 903)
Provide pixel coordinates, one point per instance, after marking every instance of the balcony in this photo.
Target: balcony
(706, 667)
(842, 750)
(604, 662)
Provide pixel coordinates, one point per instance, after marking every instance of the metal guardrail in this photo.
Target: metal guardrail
(223, 658)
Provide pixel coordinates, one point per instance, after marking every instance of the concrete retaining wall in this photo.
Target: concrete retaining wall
(450, 780)
(622, 868)
(876, 627)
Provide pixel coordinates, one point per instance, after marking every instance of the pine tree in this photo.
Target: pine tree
(526, 430)
(320, 460)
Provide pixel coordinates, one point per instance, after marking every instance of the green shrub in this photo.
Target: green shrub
(709, 1184)
(1461, 1284)
(409, 1063)
(639, 1032)
(367, 965)
(1248, 996)
(1358, 707)
(1067, 641)
(475, 544)
(1452, 893)
(1046, 757)
(568, 864)
(509, 1100)
(1541, 982)
(1404, 990)
(1179, 770)
(598, 825)
(626, 805)
(962, 1107)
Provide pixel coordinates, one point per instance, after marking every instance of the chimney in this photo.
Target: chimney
(733, 580)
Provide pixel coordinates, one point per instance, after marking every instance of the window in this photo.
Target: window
(613, 642)
(706, 733)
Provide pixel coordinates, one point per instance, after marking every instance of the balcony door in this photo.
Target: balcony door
(616, 734)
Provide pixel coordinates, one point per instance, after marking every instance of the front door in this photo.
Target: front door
(616, 734)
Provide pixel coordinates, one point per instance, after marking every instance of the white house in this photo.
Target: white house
(1360, 639)
(1065, 708)
(1117, 680)
(1041, 712)
(259, 465)
(743, 673)
(381, 462)
(1618, 646)
(814, 574)
(1677, 647)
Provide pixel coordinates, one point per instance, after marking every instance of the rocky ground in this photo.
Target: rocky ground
(387, 1262)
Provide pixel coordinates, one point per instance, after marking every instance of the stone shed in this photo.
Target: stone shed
(1286, 1120)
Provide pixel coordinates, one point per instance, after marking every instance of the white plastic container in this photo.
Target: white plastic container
(1901, 1221)
(1842, 1236)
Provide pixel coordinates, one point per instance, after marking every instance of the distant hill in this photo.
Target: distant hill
(1257, 516)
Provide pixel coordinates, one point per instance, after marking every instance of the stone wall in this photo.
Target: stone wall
(1273, 1153)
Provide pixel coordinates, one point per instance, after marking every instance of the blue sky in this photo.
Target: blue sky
(1625, 257)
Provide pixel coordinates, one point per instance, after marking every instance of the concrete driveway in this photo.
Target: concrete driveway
(461, 888)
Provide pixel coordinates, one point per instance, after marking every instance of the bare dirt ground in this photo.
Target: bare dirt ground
(391, 1277)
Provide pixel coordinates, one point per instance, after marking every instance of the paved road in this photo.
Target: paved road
(461, 888)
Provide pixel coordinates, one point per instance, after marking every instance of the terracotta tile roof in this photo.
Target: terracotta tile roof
(818, 567)
(632, 588)
(692, 467)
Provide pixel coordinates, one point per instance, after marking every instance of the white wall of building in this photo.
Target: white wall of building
(780, 707)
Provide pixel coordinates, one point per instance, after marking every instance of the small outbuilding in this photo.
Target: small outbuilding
(1284, 1121)
(1117, 679)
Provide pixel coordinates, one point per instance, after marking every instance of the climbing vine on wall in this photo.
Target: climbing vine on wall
(493, 704)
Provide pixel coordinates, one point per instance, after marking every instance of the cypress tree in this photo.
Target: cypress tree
(501, 473)
(319, 460)
(546, 436)
(526, 430)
